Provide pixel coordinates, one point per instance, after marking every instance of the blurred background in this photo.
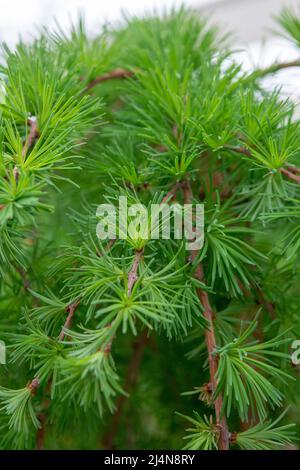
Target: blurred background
(250, 21)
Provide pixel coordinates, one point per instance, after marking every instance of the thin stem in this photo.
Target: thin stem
(290, 174)
(138, 346)
(269, 306)
(41, 432)
(24, 278)
(293, 168)
(35, 383)
(210, 339)
(132, 275)
(71, 308)
(275, 68)
(132, 279)
(172, 192)
(118, 73)
(31, 137)
(30, 140)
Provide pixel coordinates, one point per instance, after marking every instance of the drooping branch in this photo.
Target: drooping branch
(275, 68)
(210, 338)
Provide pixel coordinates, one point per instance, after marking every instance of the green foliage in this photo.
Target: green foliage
(204, 434)
(289, 21)
(247, 372)
(18, 405)
(265, 436)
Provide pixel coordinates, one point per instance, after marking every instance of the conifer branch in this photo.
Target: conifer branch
(31, 137)
(24, 278)
(290, 174)
(269, 306)
(41, 432)
(275, 68)
(242, 150)
(117, 73)
(293, 168)
(71, 310)
(210, 339)
(291, 171)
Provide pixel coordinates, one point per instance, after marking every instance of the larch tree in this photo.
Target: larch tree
(122, 343)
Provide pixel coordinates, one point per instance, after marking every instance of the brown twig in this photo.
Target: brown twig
(210, 338)
(290, 174)
(276, 67)
(71, 308)
(170, 194)
(293, 168)
(132, 278)
(242, 150)
(41, 432)
(117, 73)
(34, 385)
(132, 275)
(31, 137)
(23, 275)
(138, 346)
(131, 379)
